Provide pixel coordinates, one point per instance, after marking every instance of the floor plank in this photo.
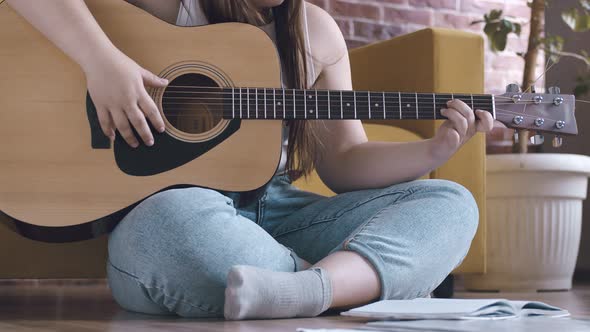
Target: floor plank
(88, 306)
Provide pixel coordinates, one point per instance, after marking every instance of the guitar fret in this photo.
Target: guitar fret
(256, 92)
(248, 102)
(494, 106)
(369, 102)
(317, 109)
(472, 107)
(434, 105)
(341, 106)
(400, 105)
(354, 96)
(265, 116)
(284, 103)
(241, 116)
(274, 101)
(294, 113)
(305, 102)
(384, 114)
(329, 106)
(417, 106)
(233, 103)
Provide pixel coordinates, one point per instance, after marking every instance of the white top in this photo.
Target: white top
(193, 15)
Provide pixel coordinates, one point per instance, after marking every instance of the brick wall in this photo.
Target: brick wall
(365, 21)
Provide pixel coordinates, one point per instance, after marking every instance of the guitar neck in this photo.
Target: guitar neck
(294, 104)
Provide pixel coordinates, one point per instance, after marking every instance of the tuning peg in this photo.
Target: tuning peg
(537, 139)
(513, 88)
(516, 137)
(554, 90)
(533, 89)
(557, 141)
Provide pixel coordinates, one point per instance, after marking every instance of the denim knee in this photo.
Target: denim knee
(460, 199)
(166, 246)
(416, 240)
(169, 217)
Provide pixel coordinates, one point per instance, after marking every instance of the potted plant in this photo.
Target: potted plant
(534, 200)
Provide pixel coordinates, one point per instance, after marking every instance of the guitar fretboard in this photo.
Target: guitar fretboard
(294, 104)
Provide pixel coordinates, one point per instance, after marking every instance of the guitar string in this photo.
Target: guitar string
(235, 89)
(404, 94)
(213, 101)
(508, 100)
(337, 115)
(507, 112)
(324, 105)
(502, 112)
(322, 108)
(363, 115)
(301, 98)
(427, 107)
(361, 92)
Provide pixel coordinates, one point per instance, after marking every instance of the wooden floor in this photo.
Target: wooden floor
(88, 306)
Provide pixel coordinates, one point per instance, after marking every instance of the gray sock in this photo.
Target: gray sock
(254, 292)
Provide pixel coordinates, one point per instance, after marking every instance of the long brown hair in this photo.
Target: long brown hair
(303, 139)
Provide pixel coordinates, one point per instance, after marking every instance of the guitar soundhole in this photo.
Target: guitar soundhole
(193, 103)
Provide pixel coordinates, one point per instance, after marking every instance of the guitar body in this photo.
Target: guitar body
(60, 180)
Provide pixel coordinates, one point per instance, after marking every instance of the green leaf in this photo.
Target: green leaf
(497, 29)
(553, 45)
(495, 14)
(491, 28)
(577, 20)
(499, 40)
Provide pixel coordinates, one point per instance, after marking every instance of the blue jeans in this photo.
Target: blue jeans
(171, 254)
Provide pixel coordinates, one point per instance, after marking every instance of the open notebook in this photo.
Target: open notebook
(427, 308)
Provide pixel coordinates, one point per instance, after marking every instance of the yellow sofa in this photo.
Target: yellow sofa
(431, 60)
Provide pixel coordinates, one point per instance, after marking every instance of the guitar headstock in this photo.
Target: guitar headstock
(551, 112)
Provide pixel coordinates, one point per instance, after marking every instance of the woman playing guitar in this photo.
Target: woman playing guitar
(278, 252)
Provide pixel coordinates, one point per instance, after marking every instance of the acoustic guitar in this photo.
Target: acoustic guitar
(62, 180)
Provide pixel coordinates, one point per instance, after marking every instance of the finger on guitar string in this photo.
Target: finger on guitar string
(124, 128)
(139, 122)
(458, 121)
(463, 109)
(149, 108)
(485, 121)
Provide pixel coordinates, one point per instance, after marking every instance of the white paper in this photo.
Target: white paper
(425, 308)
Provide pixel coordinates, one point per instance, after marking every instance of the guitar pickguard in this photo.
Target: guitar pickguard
(166, 154)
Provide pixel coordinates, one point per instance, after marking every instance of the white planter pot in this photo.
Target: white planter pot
(534, 220)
